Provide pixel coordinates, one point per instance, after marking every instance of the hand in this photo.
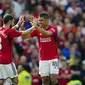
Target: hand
(21, 20)
(22, 24)
(35, 22)
(30, 18)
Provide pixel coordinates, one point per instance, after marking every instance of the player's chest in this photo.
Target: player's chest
(44, 39)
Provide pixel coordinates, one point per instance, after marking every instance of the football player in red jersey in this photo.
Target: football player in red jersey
(7, 34)
(49, 60)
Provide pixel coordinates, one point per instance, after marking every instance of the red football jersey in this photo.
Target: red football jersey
(6, 44)
(36, 80)
(65, 72)
(47, 45)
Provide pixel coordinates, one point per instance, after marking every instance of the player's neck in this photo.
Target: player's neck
(6, 26)
(46, 27)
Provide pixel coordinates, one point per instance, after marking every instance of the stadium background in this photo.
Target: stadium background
(68, 15)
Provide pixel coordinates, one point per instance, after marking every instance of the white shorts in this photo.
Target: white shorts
(8, 71)
(47, 67)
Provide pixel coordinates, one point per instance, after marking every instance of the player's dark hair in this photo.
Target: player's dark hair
(44, 15)
(7, 17)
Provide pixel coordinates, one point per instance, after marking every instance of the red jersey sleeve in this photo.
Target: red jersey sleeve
(14, 33)
(53, 29)
(35, 32)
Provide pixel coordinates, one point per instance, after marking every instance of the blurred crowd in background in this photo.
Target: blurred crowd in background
(68, 15)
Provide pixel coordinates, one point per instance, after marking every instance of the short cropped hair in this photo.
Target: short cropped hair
(44, 15)
(7, 17)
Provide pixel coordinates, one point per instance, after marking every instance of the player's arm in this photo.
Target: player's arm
(21, 20)
(44, 32)
(26, 36)
(15, 26)
(47, 32)
(26, 33)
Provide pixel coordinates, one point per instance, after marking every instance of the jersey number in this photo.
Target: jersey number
(55, 64)
(0, 44)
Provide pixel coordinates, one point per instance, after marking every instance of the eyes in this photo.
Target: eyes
(41, 19)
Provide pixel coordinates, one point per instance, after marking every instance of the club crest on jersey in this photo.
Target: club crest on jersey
(48, 39)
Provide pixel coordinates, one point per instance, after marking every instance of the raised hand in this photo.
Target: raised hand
(35, 22)
(21, 20)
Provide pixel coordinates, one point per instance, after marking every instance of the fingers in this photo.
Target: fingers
(35, 22)
(22, 24)
(30, 18)
(21, 20)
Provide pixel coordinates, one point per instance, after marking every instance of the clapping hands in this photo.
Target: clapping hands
(35, 22)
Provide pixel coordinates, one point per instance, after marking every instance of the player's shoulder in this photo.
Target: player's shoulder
(35, 30)
(3, 29)
(12, 30)
(52, 26)
(6, 30)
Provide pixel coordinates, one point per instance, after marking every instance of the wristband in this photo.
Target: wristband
(18, 28)
(17, 25)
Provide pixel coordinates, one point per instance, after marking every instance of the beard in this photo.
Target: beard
(11, 26)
